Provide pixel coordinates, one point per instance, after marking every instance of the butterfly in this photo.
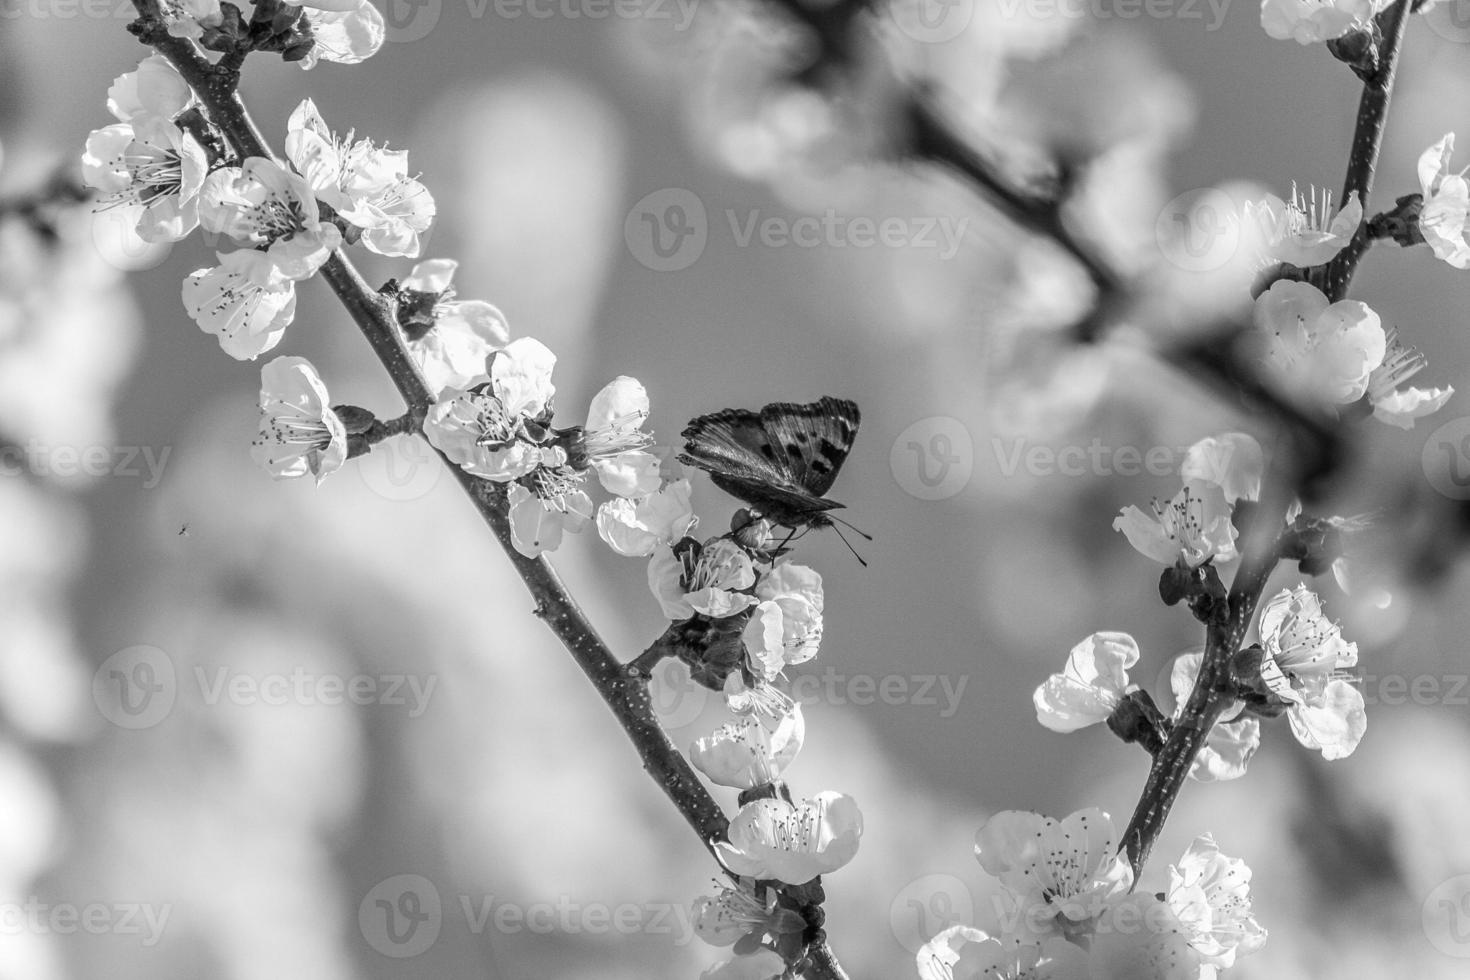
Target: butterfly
(781, 460)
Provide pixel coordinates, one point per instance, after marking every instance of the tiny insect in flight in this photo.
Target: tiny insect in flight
(781, 460)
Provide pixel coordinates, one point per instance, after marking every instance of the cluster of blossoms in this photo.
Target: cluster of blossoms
(343, 31)
(1336, 355)
(286, 222)
(1070, 910)
(741, 613)
(1297, 667)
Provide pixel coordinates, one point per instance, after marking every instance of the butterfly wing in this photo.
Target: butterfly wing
(815, 439)
(743, 459)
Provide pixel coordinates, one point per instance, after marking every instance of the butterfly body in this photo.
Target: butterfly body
(781, 460)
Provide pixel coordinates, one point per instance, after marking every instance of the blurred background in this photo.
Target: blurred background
(238, 819)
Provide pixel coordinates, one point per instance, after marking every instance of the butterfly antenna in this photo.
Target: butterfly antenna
(851, 527)
(850, 548)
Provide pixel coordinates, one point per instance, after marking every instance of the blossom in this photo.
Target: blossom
(1396, 405)
(786, 627)
(1234, 739)
(636, 527)
(1310, 21)
(1326, 351)
(1233, 461)
(1194, 526)
(245, 301)
(748, 909)
(743, 754)
(345, 36)
(155, 88)
(1304, 661)
(1209, 894)
(1055, 867)
(151, 169)
(299, 431)
(1304, 232)
(713, 580)
(961, 952)
(613, 441)
(1446, 200)
(260, 203)
(762, 964)
(367, 186)
(189, 18)
(792, 843)
(482, 429)
(451, 353)
(546, 503)
(1091, 685)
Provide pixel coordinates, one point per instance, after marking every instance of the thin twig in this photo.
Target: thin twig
(1211, 694)
(1367, 143)
(624, 690)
